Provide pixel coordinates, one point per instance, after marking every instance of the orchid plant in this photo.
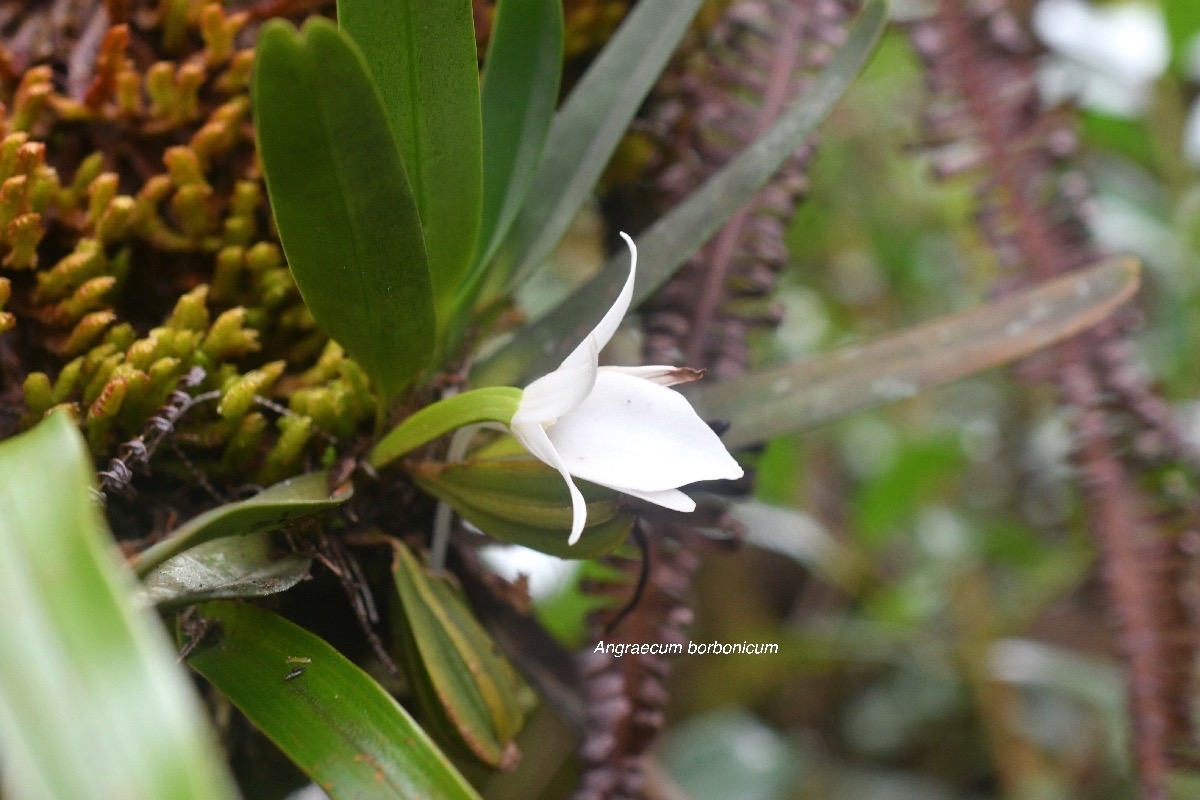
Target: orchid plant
(411, 200)
(619, 427)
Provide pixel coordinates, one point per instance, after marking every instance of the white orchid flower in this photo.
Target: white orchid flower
(620, 427)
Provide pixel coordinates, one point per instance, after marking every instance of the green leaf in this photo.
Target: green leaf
(536, 524)
(271, 509)
(588, 128)
(422, 55)
(520, 90)
(1183, 25)
(240, 566)
(491, 404)
(346, 215)
(328, 716)
(521, 490)
(797, 396)
(459, 677)
(599, 538)
(92, 704)
(671, 241)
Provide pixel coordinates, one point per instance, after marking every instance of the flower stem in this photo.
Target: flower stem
(491, 404)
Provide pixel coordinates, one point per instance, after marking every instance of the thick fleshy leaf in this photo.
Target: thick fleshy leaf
(498, 488)
(793, 397)
(328, 716)
(676, 237)
(92, 703)
(596, 540)
(271, 509)
(520, 88)
(492, 404)
(522, 490)
(588, 128)
(237, 566)
(637, 434)
(423, 58)
(463, 683)
(342, 202)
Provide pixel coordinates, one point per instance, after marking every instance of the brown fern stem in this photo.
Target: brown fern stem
(1117, 520)
(726, 92)
(980, 61)
(1112, 501)
(785, 61)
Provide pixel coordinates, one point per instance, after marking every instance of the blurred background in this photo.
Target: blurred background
(943, 630)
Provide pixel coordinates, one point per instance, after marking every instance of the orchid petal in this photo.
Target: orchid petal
(667, 498)
(534, 439)
(551, 396)
(630, 432)
(608, 325)
(662, 375)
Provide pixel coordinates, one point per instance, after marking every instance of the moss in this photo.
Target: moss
(136, 243)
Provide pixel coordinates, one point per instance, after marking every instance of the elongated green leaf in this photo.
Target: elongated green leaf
(241, 566)
(603, 534)
(599, 538)
(460, 678)
(92, 704)
(521, 490)
(676, 237)
(271, 509)
(798, 396)
(520, 89)
(588, 128)
(342, 202)
(328, 716)
(423, 58)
